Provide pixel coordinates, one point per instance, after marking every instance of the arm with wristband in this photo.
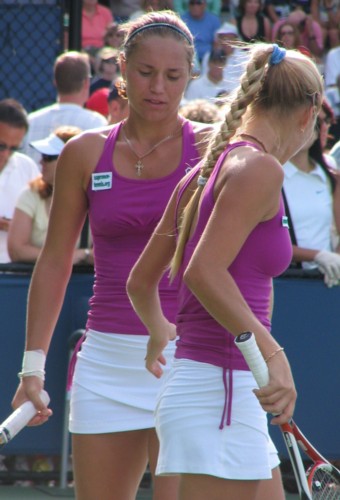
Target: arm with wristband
(50, 278)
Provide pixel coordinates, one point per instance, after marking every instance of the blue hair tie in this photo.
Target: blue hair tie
(201, 181)
(277, 55)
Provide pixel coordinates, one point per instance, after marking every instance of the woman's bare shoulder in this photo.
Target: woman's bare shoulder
(88, 140)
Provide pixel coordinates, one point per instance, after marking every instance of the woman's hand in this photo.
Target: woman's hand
(279, 396)
(29, 389)
(155, 358)
(4, 223)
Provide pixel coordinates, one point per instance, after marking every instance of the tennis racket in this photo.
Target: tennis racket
(322, 479)
(18, 419)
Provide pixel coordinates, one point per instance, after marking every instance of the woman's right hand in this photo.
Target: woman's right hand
(155, 358)
(279, 396)
(29, 390)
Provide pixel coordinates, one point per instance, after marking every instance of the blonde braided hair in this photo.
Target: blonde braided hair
(254, 91)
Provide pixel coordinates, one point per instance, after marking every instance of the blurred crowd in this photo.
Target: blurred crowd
(219, 28)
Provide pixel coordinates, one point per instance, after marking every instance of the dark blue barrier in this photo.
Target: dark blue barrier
(306, 322)
(13, 298)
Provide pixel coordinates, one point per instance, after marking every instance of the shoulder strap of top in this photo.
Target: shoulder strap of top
(106, 156)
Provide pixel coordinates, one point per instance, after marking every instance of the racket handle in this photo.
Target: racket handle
(246, 342)
(19, 418)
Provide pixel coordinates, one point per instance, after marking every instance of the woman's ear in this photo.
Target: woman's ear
(307, 115)
(122, 65)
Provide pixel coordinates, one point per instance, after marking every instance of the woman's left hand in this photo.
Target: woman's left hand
(155, 358)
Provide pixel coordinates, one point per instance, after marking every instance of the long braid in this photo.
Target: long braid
(250, 84)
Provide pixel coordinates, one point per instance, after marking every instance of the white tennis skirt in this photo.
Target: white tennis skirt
(112, 391)
(188, 418)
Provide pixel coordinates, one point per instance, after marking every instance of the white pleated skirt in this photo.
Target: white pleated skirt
(112, 391)
(188, 418)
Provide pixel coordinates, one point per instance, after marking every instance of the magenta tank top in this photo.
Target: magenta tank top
(123, 214)
(265, 254)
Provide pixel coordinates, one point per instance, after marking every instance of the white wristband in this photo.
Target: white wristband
(33, 364)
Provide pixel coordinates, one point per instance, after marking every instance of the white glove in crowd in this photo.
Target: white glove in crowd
(329, 264)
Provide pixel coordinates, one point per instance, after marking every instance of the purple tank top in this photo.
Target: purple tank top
(123, 214)
(266, 253)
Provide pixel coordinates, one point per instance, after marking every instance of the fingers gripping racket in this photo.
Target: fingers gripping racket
(322, 479)
(18, 419)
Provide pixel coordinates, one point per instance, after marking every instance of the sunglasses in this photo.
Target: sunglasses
(112, 60)
(11, 149)
(49, 158)
(196, 2)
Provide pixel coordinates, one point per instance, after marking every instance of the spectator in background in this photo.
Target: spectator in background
(213, 6)
(326, 120)
(312, 192)
(106, 68)
(202, 25)
(30, 220)
(122, 9)
(98, 101)
(332, 67)
(72, 81)
(225, 38)
(148, 6)
(211, 83)
(109, 103)
(335, 153)
(310, 32)
(277, 10)
(118, 106)
(327, 14)
(251, 23)
(333, 97)
(16, 169)
(95, 20)
(288, 35)
(113, 36)
(200, 110)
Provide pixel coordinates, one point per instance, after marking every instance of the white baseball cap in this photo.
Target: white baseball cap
(51, 145)
(227, 29)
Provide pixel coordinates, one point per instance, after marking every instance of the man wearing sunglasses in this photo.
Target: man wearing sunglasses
(16, 169)
(202, 25)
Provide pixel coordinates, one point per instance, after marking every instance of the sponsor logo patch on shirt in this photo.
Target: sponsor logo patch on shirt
(101, 181)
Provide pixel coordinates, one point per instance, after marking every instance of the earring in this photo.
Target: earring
(121, 87)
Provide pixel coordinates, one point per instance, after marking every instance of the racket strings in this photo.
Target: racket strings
(323, 484)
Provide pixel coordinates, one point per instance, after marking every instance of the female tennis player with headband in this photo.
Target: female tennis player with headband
(123, 176)
(225, 235)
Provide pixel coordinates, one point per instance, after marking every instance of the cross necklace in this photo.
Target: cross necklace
(139, 164)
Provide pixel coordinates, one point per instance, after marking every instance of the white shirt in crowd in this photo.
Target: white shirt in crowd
(332, 66)
(14, 177)
(203, 88)
(44, 121)
(310, 202)
(232, 71)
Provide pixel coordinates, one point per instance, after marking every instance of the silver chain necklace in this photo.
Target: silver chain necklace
(139, 164)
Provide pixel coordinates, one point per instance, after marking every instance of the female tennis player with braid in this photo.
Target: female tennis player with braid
(225, 234)
(123, 176)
